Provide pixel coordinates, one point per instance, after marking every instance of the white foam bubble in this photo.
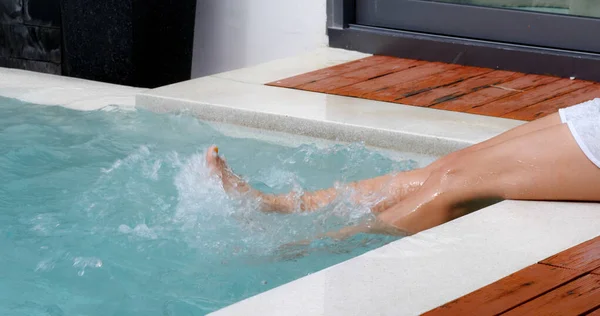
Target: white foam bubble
(137, 155)
(45, 265)
(86, 262)
(140, 230)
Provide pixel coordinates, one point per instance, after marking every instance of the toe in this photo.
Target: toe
(211, 154)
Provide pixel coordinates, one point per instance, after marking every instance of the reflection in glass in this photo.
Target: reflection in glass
(587, 8)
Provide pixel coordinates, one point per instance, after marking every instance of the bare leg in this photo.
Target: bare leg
(381, 192)
(543, 165)
(533, 126)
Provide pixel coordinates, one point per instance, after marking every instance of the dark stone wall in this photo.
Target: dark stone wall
(145, 43)
(98, 40)
(30, 35)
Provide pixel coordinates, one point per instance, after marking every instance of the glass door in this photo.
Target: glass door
(558, 24)
(588, 8)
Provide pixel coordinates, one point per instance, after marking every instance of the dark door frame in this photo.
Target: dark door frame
(354, 25)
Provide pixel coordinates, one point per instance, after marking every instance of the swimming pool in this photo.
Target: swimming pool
(111, 212)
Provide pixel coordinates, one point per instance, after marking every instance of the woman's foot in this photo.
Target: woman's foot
(232, 183)
(236, 187)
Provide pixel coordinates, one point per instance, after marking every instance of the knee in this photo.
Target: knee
(469, 176)
(448, 161)
(452, 174)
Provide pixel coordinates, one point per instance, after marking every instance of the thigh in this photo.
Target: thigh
(544, 165)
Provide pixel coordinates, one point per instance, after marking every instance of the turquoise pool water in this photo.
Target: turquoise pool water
(111, 212)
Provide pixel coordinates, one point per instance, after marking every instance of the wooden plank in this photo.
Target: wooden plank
(547, 107)
(360, 75)
(333, 71)
(532, 96)
(584, 257)
(382, 83)
(573, 298)
(597, 271)
(508, 292)
(494, 93)
(409, 88)
(457, 90)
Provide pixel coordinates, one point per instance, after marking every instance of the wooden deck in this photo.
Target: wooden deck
(565, 284)
(447, 87)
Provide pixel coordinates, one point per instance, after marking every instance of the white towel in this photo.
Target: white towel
(584, 122)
